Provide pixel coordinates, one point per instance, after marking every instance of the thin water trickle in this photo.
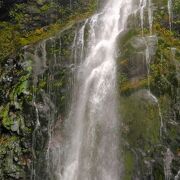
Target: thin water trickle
(54, 51)
(143, 4)
(170, 12)
(39, 57)
(150, 16)
(160, 113)
(40, 65)
(150, 44)
(82, 34)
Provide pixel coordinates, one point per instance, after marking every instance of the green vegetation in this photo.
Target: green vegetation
(128, 164)
(26, 27)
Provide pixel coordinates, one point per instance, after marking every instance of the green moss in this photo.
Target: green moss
(12, 37)
(12, 121)
(163, 69)
(45, 8)
(20, 87)
(7, 121)
(128, 165)
(10, 152)
(127, 87)
(8, 39)
(141, 118)
(125, 45)
(141, 121)
(6, 143)
(52, 30)
(12, 118)
(17, 13)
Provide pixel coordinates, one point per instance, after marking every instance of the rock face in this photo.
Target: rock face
(5, 6)
(42, 8)
(15, 127)
(36, 82)
(149, 95)
(28, 85)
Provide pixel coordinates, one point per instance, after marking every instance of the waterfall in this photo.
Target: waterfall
(91, 133)
(74, 101)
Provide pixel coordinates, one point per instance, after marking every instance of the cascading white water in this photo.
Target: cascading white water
(91, 144)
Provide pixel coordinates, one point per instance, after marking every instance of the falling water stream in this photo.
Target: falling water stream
(91, 146)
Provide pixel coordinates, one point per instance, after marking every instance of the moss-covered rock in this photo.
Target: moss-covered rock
(148, 81)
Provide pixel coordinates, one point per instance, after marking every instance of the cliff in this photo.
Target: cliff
(38, 48)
